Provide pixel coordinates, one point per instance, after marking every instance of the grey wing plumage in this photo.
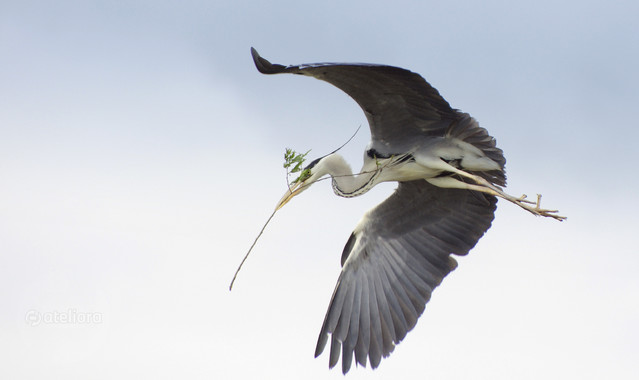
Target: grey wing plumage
(399, 104)
(396, 256)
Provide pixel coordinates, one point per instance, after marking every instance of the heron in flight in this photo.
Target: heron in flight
(450, 174)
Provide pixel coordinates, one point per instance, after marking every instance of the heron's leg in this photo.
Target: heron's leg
(438, 163)
(477, 179)
(449, 182)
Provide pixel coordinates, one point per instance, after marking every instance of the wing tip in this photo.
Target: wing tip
(263, 65)
(321, 343)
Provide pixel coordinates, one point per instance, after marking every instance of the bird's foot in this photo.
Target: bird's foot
(485, 186)
(536, 209)
(522, 201)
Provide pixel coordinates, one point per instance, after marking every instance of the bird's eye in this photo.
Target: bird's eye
(306, 172)
(304, 175)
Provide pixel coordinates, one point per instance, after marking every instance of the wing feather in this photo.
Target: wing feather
(364, 339)
(398, 254)
(375, 312)
(336, 347)
(348, 344)
(387, 333)
(397, 287)
(397, 320)
(341, 330)
(399, 104)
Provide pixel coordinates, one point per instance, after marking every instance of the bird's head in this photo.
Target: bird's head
(309, 175)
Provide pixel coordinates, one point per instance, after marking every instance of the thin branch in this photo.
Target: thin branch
(250, 249)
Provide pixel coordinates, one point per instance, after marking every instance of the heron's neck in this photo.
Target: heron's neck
(345, 183)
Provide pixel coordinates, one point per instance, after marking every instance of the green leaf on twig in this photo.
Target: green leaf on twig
(293, 163)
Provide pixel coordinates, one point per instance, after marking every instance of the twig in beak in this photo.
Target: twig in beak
(250, 249)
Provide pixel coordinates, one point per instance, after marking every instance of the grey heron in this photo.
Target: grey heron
(450, 174)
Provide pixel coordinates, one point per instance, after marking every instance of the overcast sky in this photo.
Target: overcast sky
(141, 152)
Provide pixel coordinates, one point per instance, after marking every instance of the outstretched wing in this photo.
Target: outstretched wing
(396, 256)
(400, 105)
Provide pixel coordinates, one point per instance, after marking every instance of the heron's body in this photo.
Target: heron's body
(449, 171)
(425, 163)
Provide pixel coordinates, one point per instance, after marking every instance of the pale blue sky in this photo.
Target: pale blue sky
(140, 153)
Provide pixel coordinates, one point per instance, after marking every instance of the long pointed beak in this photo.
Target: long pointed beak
(290, 193)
